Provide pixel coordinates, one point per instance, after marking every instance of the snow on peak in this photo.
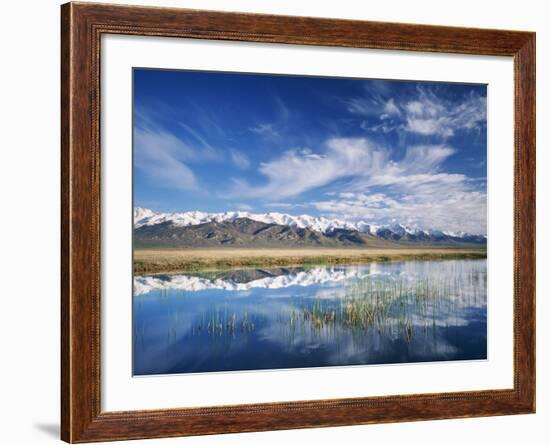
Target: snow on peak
(147, 217)
(140, 213)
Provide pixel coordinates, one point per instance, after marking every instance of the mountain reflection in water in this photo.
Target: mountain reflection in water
(308, 317)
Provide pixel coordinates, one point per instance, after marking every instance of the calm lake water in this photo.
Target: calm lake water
(381, 313)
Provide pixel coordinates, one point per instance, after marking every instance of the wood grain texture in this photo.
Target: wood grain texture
(81, 28)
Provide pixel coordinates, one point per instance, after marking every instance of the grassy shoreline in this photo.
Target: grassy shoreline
(151, 261)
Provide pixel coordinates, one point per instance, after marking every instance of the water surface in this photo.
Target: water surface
(381, 313)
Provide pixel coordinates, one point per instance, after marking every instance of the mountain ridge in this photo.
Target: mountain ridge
(158, 230)
(147, 217)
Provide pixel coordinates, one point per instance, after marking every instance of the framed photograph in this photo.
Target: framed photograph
(275, 222)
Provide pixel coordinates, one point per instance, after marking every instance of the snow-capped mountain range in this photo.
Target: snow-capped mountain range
(146, 217)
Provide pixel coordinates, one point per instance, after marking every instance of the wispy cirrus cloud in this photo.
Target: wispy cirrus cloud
(282, 205)
(376, 101)
(279, 123)
(208, 151)
(363, 163)
(299, 170)
(266, 129)
(390, 108)
(457, 208)
(374, 186)
(425, 113)
(430, 115)
(243, 206)
(166, 157)
(239, 159)
(414, 190)
(162, 157)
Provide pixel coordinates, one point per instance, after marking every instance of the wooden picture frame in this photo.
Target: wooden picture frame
(82, 25)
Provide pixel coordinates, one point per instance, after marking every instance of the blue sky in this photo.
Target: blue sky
(357, 149)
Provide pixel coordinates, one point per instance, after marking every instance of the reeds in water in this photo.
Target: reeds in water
(394, 306)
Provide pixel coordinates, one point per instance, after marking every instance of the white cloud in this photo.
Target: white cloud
(281, 205)
(239, 159)
(429, 126)
(161, 156)
(451, 209)
(413, 190)
(209, 150)
(370, 106)
(374, 102)
(265, 129)
(430, 115)
(278, 126)
(300, 170)
(426, 114)
(391, 108)
(165, 157)
(414, 107)
(386, 126)
(356, 159)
